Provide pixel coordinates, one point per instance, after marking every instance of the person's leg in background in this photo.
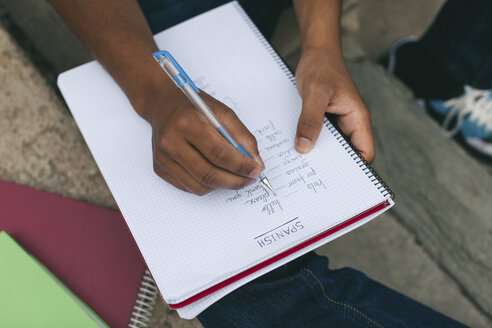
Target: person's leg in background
(305, 293)
(458, 39)
(161, 14)
(451, 68)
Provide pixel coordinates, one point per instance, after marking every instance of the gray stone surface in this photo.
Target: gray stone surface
(40, 144)
(443, 194)
(54, 42)
(164, 317)
(434, 245)
(376, 24)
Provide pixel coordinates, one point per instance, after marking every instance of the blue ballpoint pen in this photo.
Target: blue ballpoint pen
(182, 81)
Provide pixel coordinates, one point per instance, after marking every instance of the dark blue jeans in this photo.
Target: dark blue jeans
(459, 39)
(161, 14)
(303, 293)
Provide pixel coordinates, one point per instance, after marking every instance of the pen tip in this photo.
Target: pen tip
(267, 184)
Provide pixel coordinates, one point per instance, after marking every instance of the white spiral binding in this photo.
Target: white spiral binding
(363, 164)
(144, 304)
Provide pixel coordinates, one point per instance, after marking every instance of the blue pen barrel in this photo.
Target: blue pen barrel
(242, 150)
(227, 137)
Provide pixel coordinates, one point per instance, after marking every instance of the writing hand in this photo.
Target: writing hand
(325, 86)
(190, 154)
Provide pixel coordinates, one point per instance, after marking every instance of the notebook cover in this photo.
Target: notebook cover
(32, 297)
(87, 247)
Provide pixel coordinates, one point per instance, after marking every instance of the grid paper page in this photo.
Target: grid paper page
(189, 242)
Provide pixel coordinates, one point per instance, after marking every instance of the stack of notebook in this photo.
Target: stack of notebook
(88, 248)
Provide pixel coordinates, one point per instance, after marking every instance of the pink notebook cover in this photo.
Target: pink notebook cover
(89, 248)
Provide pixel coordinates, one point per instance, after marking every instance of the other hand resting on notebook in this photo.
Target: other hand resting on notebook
(324, 82)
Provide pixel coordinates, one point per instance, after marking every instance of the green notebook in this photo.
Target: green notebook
(31, 296)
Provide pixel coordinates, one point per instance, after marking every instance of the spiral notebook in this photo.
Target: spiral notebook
(198, 249)
(87, 247)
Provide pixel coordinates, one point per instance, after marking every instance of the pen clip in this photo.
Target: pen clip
(158, 56)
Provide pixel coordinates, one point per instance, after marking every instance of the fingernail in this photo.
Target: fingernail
(259, 161)
(303, 145)
(254, 174)
(252, 181)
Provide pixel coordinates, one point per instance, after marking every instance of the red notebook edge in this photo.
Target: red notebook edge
(381, 206)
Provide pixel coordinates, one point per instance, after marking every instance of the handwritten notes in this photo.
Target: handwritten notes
(288, 171)
(203, 84)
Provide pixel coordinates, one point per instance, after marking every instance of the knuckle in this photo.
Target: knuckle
(201, 190)
(166, 176)
(156, 168)
(183, 122)
(166, 142)
(310, 89)
(159, 159)
(219, 154)
(309, 123)
(224, 110)
(231, 114)
(315, 91)
(251, 140)
(225, 113)
(160, 172)
(242, 183)
(244, 168)
(363, 110)
(207, 177)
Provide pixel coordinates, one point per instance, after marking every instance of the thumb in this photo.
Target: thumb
(309, 125)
